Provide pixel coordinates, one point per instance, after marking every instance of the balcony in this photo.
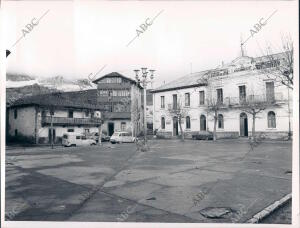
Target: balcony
(237, 101)
(60, 121)
(116, 99)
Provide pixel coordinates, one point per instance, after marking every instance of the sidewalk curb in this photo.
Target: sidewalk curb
(268, 210)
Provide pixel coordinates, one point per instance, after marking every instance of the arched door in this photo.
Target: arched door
(175, 126)
(202, 123)
(243, 125)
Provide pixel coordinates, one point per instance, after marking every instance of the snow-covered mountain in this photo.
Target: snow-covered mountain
(56, 82)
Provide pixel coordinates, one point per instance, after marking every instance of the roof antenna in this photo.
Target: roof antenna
(242, 50)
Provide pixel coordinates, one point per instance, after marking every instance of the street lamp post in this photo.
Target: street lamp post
(144, 81)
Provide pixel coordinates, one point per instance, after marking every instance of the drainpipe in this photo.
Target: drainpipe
(289, 112)
(35, 126)
(51, 127)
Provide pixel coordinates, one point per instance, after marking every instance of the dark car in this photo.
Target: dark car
(203, 135)
(95, 136)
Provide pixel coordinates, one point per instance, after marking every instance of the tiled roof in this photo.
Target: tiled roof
(78, 99)
(116, 74)
(190, 80)
(200, 78)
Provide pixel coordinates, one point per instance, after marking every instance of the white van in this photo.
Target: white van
(122, 137)
(76, 139)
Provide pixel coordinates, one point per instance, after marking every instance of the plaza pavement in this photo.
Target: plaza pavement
(191, 181)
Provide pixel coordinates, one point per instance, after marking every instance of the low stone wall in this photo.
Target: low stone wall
(189, 134)
(228, 135)
(273, 135)
(168, 134)
(163, 134)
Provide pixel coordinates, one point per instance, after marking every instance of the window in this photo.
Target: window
(123, 126)
(242, 93)
(162, 101)
(271, 120)
(16, 132)
(201, 97)
(16, 113)
(70, 130)
(43, 113)
(103, 92)
(111, 108)
(163, 123)
(83, 137)
(87, 113)
(187, 99)
(86, 130)
(270, 91)
(70, 114)
(202, 123)
(220, 121)
(121, 93)
(188, 122)
(77, 137)
(111, 80)
(220, 96)
(174, 101)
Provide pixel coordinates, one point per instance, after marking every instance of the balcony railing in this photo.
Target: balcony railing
(273, 98)
(46, 120)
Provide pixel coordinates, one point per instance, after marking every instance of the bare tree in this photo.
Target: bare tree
(213, 107)
(279, 67)
(179, 112)
(253, 105)
(213, 102)
(136, 111)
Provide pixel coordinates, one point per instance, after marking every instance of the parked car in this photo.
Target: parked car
(122, 137)
(203, 135)
(76, 139)
(95, 136)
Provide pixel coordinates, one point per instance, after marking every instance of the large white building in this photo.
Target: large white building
(230, 86)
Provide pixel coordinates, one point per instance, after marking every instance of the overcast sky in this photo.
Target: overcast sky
(77, 38)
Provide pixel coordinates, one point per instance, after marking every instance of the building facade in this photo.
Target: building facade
(121, 100)
(231, 89)
(32, 118)
(149, 111)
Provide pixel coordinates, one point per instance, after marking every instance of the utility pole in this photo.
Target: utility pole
(289, 111)
(145, 119)
(51, 128)
(100, 134)
(144, 81)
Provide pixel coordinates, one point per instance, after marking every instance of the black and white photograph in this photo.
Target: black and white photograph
(149, 113)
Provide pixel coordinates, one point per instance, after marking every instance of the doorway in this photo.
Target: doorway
(175, 126)
(202, 123)
(51, 137)
(243, 125)
(111, 128)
